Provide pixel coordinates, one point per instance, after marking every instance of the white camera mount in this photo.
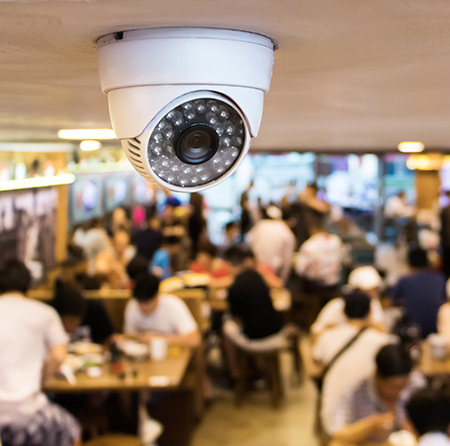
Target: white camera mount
(144, 71)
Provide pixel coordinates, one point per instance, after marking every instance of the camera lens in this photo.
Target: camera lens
(197, 144)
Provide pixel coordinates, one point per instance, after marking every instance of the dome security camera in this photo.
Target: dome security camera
(185, 102)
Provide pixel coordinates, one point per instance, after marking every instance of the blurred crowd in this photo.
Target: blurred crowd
(365, 331)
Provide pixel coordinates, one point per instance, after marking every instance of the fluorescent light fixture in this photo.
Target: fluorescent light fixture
(81, 134)
(411, 146)
(89, 145)
(29, 183)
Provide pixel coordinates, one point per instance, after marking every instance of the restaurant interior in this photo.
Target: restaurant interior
(303, 300)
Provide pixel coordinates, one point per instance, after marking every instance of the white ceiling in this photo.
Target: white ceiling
(349, 74)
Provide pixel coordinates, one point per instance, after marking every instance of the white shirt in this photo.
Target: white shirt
(273, 243)
(28, 329)
(333, 313)
(353, 366)
(434, 439)
(171, 316)
(320, 258)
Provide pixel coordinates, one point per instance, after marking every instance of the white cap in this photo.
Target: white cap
(274, 212)
(365, 278)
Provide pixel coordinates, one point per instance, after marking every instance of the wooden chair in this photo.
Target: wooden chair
(269, 363)
(292, 333)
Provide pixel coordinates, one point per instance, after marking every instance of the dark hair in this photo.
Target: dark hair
(14, 276)
(67, 300)
(171, 240)
(393, 360)
(417, 257)
(237, 254)
(357, 305)
(230, 225)
(429, 410)
(146, 287)
(137, 266)
(208, 248)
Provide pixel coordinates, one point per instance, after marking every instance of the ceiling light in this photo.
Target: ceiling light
(86, 134)
(89, 145)
(411, 146)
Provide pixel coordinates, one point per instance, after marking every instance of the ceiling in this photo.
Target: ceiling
(349, 74)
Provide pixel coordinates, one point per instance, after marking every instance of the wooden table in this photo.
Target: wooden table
(432, 367)
(166, 374)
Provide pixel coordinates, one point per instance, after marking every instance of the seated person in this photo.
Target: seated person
(138, 265)
(83, 320)
(220, 270)
(173, 219)
(255, 323)
(148, 240)
(32, 343)
(357, 318)
(111, 263)
(349, 351)
(206, 261)
(161, 264)
(376, 406)
(151, 314)
(365, 278)
(421, 292)
(231, 236)
(428, 411)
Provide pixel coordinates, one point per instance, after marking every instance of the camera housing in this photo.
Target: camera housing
(185, 102)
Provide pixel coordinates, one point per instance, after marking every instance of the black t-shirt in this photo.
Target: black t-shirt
(97, 319)
(148, 242)
(250, 301)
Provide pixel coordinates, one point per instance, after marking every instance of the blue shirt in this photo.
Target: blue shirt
(161, 259)
(422, 293)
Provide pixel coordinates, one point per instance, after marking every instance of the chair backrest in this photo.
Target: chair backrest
(195, 299)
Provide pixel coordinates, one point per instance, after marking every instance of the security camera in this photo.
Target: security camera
(185, 102)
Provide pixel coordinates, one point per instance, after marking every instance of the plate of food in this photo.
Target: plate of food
(134, 349)
(83, 348)
(92, 360)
